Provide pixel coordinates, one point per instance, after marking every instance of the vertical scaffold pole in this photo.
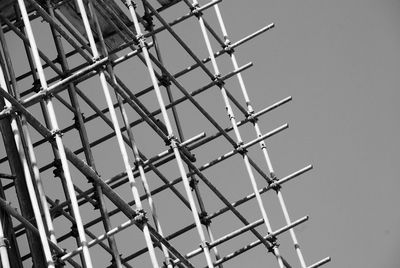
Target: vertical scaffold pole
(101, 41)
(173, 143)
(116, 259)
(250, 112)
(57, 135)
(232, 119)
(3, 246)
(29, 181)
(27, 140)
(117, 130)
(133, 145)
(166, 83)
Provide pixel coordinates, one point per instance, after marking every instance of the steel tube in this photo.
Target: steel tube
(58, 140)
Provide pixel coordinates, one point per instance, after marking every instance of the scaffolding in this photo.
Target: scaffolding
(123, 147)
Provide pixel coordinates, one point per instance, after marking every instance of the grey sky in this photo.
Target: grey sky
(340, 61)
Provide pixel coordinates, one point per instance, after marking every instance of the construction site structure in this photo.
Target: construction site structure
(129, 139)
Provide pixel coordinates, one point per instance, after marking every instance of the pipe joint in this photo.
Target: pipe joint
(56, 132)
(148, 18)
(240, 148)
(36, 85)
(130, 3)
(138, 162)
(204, 244)
(141, 39)
(164, 80)
(193, 182)
(47, 95)
(275, 185)
(273, 241)
(195, 10)
(227, 46)
(251, 117)
(204, 218)
(218, 80)
(4, 242)
(58, 169)
(74, 231)
(57, 259)
(55, 209)
(140, 217)
(76, 121)
(96, 200)
(172, 141)
(167, 261)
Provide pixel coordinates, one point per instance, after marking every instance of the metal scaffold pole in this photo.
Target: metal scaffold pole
(124, 144)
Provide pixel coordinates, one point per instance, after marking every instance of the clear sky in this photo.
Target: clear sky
(340, 61)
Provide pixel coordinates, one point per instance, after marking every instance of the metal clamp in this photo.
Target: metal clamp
(204, 218)
(205, 244)
(54, 133)
(36, 85)
(164, 80)
(4, 242)
(148, 18)
(169, 142)
(74, 230)
(193, 182)
(57, 259)
(58, 169)
(47, 95)
(273, 241)
(251, 117)
(275, 183)
(141, 39)
(228, 46)
(55, 209)
(140, 217)
(195, 10)
(240, 149)
(218, 80)
(76, 121)
(131, 4)
(168, 261)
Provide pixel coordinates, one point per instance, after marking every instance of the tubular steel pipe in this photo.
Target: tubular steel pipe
(256, 243)
(223, 210)
(89, 172)
(221, 197)
(5, 262)
(118, 132)
(170, 133)
(20, 185)
(6, 206)
(250, 111)
(113, 22)
(320, 263)
(237, 133)
(85, 140)
(245, 229)
(135, 151)
(55, 129)
(207, 165)
(25, 138)
(123, 58)
(29, 182)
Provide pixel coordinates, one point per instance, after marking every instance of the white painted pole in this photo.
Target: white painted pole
(57, 135)
(118, 133)
(173, 142)
(29, 182)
